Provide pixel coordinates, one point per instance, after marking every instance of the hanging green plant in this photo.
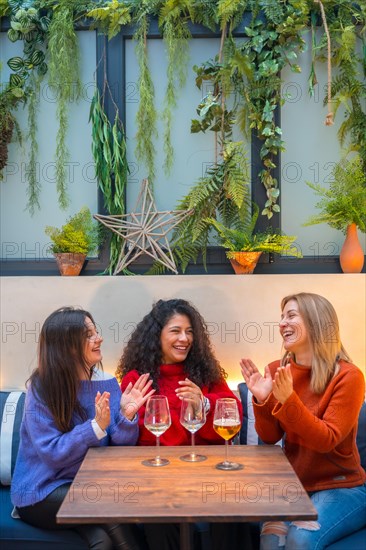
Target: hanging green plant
(31, 27)
(10, 98)
(346, 23)
(27, 25)
(64, 76)
(173, 24)
(111, 169)
(258, 61)
(146, 116)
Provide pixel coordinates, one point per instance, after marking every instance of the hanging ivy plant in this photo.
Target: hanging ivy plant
(31, 27)
(273, 43)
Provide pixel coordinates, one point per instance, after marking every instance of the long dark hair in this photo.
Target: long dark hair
(61, 355)
(143, 351)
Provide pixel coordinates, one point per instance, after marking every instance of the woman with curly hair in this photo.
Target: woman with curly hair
(172, 344)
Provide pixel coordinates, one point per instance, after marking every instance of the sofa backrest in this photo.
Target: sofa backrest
(11, 410)
(249, 436)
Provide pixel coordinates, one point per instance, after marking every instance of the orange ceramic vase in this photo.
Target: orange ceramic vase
(351, 257)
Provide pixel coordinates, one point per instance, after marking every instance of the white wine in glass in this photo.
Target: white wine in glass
(157, 421)
(192, 417)
(227, 424)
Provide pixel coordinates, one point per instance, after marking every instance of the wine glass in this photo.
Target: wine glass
(157, 421)
(227, 424)
(192, 417)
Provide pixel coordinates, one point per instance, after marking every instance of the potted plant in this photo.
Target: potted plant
(245, 246)
(343, 207)
(76, 239)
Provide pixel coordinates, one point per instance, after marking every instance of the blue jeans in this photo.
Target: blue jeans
(340, 513)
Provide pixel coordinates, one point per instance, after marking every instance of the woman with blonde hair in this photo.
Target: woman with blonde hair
(312, 399)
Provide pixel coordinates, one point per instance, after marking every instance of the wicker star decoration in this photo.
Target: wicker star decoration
(144, 230)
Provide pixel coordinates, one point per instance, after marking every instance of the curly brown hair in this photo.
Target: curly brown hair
(143, 351)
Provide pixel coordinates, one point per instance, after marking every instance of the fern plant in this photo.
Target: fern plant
(243, 238)
(345, 200)
(223, 193)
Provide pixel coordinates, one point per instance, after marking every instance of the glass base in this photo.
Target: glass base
(229, 466)
(193, 457)
(155, 462)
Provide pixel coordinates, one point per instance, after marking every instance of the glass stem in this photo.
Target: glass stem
(158, 447)
(192, 443)
(226, 450)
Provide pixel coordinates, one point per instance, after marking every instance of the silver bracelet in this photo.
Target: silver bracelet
(207, 404)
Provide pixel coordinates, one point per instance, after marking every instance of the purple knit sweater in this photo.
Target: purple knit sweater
(48, 458)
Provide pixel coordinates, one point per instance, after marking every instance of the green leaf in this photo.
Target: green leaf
(16, 81)
(14, 35)
(16, 63)
(36, 58)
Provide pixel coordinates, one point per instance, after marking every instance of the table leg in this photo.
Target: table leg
(186, 536)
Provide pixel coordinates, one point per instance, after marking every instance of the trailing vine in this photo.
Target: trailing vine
(347, 25)
(146, 116)
(173, 23)
(28, 25)
(273, 43)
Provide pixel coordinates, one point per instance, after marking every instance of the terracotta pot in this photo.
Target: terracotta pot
(69, 263)
(351, 257)
(245, 262)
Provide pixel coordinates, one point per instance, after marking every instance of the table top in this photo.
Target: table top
(113, 485)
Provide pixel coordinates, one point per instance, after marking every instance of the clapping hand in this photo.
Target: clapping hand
(135, 396)
(189, 390)
(283, 384)
(102, 410)
(260, 386)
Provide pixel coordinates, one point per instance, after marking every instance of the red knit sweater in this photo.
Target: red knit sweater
(320, 429)
(170, 375)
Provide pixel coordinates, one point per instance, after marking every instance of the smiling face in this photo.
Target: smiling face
(176, 339)
(93, 343)
(293, 330)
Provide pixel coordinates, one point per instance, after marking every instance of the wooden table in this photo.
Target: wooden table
(113, 486)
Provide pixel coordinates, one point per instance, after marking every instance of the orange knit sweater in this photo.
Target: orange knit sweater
(320, 440)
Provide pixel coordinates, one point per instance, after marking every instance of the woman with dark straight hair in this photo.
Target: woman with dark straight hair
(71, 405)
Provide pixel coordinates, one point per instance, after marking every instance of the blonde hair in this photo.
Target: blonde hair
(322, 325)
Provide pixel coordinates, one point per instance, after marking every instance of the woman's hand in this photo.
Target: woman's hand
(283, 384)
(190, 390)
(260, 386)
(135, 396)
(102, 410)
